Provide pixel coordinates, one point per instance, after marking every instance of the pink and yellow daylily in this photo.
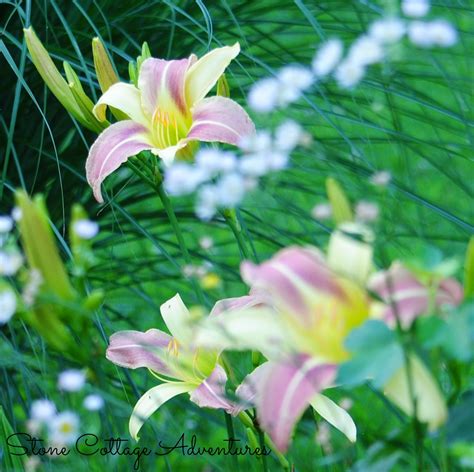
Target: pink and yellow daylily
(303, 311)
(181, 368)
(167, 110)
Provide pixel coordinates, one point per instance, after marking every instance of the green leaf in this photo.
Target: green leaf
(375, 355)
(341, 207)
(469, 270)
(461, 419)
(10, 462)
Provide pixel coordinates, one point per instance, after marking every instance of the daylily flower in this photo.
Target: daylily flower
(300, 310)
(167, 111)
(408, 297)
(181, 368)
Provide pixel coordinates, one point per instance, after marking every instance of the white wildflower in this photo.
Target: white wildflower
(10, 263)
(365, 50)
(294, 80)
(263, 95)
(415, 8)
(256, 143)
(349, 74)
(387, 30)
(322, 211)
(346, 403)
(230, 190)
(278, 160)
(93, 402)
(71, 380)
(6, 224)
(7, 305)
(366, 211)
(381, 178)
(63, 428)
(183, 179)
(327, 57)
(206, 242)
(86, 229)
(419, 34)
(214, 161)
(16, 214)
(42, 410)
(288, 135)
(254, 165)
(207, 202)
(442, 33)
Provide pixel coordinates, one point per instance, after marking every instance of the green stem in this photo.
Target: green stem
(231, 219)
(231, 436)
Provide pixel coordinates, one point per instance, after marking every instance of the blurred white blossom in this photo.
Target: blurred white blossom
(381, 178)
(71, 380)
(215, 160)
(7, 304)
(327, 57)
(207, 202)
(415, 8)
(10, 262)
(387, 30)
(206, 242)
(366, 211)
(230, 190)
(183, 179)
(86, 229)
(42, 410)
(322, 211)
(63, 428)
(349, 74)
(93, 402)
(288, 135)
(365, 50)
(434, 33)
(16, 214)
(263, 96)
(6, 224)
(31, 289)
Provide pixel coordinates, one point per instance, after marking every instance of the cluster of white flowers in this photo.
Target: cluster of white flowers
(222, 178)
(370, 48)
(86, 229)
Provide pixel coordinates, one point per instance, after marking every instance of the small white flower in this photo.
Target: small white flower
(71, 380)
(259, 142)
(183, 179)
(349, 74)
(327, 57)
(16, 214)
(263, 95)
(214, 161)
(254, 165)
(278, 160)
(207, 202)
(206, 242)
(30, 290)
(366, 211)
(419, 34)
(42, 410)
(10, 263)
(415, 8)
(387, 30)
(322, 211)
(230, 190)
(6, 224)
(288, 135)
(93, 402)
(346, 403)
(365, 50)
(189, 270)
(7, 305)
(86, 229)
(63, 428)
(294, 80)
(34, 427)
(381, 178)
(442, 33)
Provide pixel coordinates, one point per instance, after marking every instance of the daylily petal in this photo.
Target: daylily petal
(237, 303)
(292, 278)
(349, 256)
(168, 154)
(177, 318)
(406, 297)
(335, 415)
(236, 330)
(220, 119)
(134, 349)
(247, 391)
(204, 74)
(430, 404)
(286, 391)
(211, 392)
(111, 149)
(161, 84)
(152, 400)
(123, 97)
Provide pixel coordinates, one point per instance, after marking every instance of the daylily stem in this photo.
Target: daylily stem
(231, 219)
(231, 436)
